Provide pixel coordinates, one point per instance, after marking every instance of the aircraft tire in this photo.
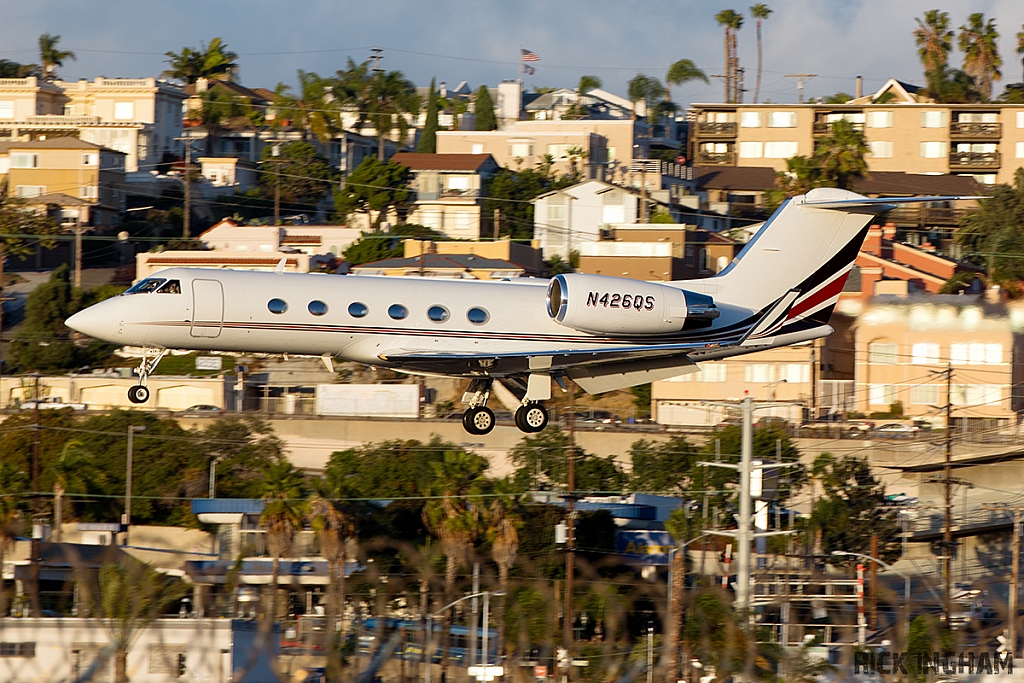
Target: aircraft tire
(138, 394)
(531, 418)
(478, 421)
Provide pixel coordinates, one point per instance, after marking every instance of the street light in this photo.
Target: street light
(906, 586)
(127, 520)
(430, 630)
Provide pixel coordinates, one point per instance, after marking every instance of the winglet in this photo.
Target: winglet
(279, 268)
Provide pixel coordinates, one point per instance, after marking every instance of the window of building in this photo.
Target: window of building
(880, 149)
(556, 212)
(976, 354)
(882, 354)
(751, 150)
(881, 394)
(357, 310)
(779, 149)
(925, 394)
(924, 354)
(713, 372)
(520, 149)
(933, 119)
(277, 306)
(24, 160)
(879, 119)
(750, 119)
(29, 190)
(782, 119)
(317, 308)
(477, 316)
(609, 154)
(477, 149)
(17, 649)
(760, 373)
(977, 395)
(124, 111)
(979, 147)
(88, 192)
(613, 213)
(795, 373)
(398, 311)
(977, 117)
(463, 222)
(91, 159)
(6, 109)
(458, 182)
(933, 150)
(559, 152)
(1020, 150)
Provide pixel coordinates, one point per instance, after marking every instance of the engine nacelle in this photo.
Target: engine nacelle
(614, 305)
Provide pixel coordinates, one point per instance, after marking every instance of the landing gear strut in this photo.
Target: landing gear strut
(140, 392)
(531, 418)
(478, 418)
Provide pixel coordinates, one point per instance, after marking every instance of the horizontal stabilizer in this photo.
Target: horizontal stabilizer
(880, 203)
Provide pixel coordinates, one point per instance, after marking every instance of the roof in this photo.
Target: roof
(59, 143)
(442, 162)
(701, 236)
(57, 198)
(734, 177)
(236, 88)
(442, 262)
(900, 183)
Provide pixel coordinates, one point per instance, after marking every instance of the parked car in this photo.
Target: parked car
(896, 429)
(202, 409)
(52, 403)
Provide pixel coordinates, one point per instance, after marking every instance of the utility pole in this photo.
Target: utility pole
(276, 152)
(376, 57)
(1011, 603)
(570, 525)
(78, 251)
(473, 610)
(947, 532)
(800, 78)
(814, 379)
(874, 582)
(127, 521)
(34, 551)
(497, 224)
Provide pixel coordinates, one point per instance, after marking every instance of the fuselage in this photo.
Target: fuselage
(358, 318)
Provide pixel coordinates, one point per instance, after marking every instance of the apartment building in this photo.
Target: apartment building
(656, 252)
(86, 181)
(140, 117)
(905, 132)
(449, 191)
(903, 346)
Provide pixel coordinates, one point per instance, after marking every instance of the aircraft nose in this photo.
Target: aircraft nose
(90, 322)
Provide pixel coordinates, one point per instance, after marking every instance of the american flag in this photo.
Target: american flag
(529, 56)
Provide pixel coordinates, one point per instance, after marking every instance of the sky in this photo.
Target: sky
(479, 40)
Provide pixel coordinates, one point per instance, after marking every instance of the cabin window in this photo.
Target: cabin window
(317, 307)
(277, 306)
(398, 311)
(146, 286)
(438, 314)
(357, 310)
(170, 287)
(477, 316)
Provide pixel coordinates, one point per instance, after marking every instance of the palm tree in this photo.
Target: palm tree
(841, 155)
(12, 482)
(1020, 47)
(454, 518)
(760, 12)
(390, 98)
(503, 524)
(76, 471)
(282, 517)
(680, 73)
(977, 41)
(732, 21)
(209, 61)
(576, 154)
(333, 528)
(313, 110)
(646, 89)
(934, 40)
(579, 110)
(51, 57)
(683, 530)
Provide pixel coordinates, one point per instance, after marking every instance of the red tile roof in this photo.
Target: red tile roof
(442, 162)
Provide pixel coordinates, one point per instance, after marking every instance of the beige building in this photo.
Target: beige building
(497, 260)
(904, 346)
(103, 391)
(449, 192)
(653, 251)
(84, 179)
(138, 116)
(905, 132)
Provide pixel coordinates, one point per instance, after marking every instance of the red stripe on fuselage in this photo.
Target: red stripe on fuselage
(824, 294)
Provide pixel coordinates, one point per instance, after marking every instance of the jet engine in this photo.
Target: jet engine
(613, 305)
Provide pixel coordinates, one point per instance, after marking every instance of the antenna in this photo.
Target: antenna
(800, 78)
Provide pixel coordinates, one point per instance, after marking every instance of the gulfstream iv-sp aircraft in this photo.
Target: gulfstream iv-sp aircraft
(601, 332)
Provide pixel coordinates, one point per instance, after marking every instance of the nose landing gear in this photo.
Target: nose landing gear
(140, 392)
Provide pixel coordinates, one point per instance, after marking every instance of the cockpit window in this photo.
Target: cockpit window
(170, 287)
(146, 286)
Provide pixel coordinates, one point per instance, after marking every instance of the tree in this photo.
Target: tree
(428, 136)
(511, 192)
(994, 234)
(851, 509)
(977, 41)
(580, 110)
(13, 483)
(646, 89)
(285, 508)
(131, 596)
(841, 155)
(934, 40)
(208, 61)
(51, 57)
(484, 110)
(760, 12)
(378, 245)
(542, 462)
(838, 98)
(1020, 48)
(375, 186)
(503, 519)
(305, 175)
(663, 466)
(731, 21)
(11, 69)
(683, 529)
(390, 98)
(334, 527)
(313, 109)
(680, 73)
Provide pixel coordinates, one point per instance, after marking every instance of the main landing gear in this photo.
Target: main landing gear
(140, 392)
(530, 417)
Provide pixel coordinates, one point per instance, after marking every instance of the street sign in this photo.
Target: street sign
(540, 672)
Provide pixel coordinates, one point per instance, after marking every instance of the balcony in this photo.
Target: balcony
(61, 120)
(974, 161)
(716, 158)
(716, 129)
(918, 216)
(825, 127)
(975, 131)
(448, 194)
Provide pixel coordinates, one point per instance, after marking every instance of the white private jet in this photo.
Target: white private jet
(604, 333)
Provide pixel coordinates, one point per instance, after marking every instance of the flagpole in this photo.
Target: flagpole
(520, 68)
